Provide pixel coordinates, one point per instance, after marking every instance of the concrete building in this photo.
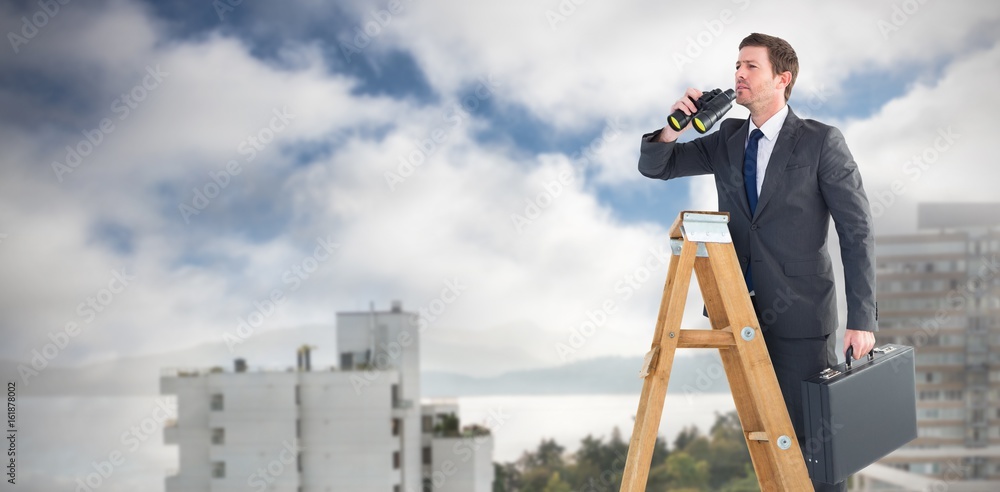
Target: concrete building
(354, 427)
(939, 291)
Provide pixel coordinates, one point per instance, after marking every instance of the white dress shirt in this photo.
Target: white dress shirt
(765, 145)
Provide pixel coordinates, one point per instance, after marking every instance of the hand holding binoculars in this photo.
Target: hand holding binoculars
(712, 105)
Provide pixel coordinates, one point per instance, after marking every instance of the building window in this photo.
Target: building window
(298, 394)
(347, 361)
(395, 460)
(930, 395)
(298, 462)
(395, 488)
(219, 469)
(428, 485)
(397, 424)
(427, 424)
(217, 402)
(218, 436)
(298, 428)
(427, 455)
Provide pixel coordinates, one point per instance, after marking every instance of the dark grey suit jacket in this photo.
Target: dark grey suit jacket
(810, 177)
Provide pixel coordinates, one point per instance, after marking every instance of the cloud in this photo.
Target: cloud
(922, 147)
(408, 189)
(197, 273)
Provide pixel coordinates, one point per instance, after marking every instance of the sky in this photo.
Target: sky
(200, 160)
(171, 169)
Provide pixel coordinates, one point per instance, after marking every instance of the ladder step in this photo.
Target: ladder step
(706, 338)
(757, 436)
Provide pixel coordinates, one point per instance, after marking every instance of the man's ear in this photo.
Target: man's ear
(785, 78)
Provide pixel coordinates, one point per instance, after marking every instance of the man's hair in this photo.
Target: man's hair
(779, 53)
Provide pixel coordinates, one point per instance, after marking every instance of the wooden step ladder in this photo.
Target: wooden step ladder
(700, 241)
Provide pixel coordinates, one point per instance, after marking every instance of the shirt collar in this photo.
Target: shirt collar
(773, 124)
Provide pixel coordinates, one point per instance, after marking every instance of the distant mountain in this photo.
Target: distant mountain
(275, 350)
(606, 375)
(140, 375)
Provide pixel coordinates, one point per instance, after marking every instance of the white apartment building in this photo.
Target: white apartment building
(349, 428)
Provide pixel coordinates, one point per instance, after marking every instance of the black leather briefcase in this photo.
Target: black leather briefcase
(856, 414)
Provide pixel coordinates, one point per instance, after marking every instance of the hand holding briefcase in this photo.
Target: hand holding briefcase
(855, 414)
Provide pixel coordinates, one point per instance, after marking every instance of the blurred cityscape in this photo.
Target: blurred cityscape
(364, 424)
(939, 291)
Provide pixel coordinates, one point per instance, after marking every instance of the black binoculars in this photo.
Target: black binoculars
(711, 106)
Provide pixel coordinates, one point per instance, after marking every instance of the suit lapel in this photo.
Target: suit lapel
(780, 156)
(736, 145)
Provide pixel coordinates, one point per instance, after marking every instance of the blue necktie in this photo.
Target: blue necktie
(750, 182)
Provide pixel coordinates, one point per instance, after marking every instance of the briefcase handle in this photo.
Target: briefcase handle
(850, 356)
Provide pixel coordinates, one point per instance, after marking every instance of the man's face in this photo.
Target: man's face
(756, 84)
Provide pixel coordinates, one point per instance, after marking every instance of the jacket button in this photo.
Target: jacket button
(753, 227)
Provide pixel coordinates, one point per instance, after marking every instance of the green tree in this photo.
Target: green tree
(729, 456)
(507, 478)
(747, 483)
(449, 426)
(536, 479)
(682, 472)
(556, 484)
(549, 455)
(537, 467)
(685, 436)
(717, 461)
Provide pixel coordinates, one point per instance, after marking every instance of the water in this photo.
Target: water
(519, 423)
(63, 439)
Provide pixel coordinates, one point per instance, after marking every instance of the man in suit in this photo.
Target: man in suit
(781, 179)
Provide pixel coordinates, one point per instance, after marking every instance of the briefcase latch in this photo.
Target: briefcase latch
(828, 373)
